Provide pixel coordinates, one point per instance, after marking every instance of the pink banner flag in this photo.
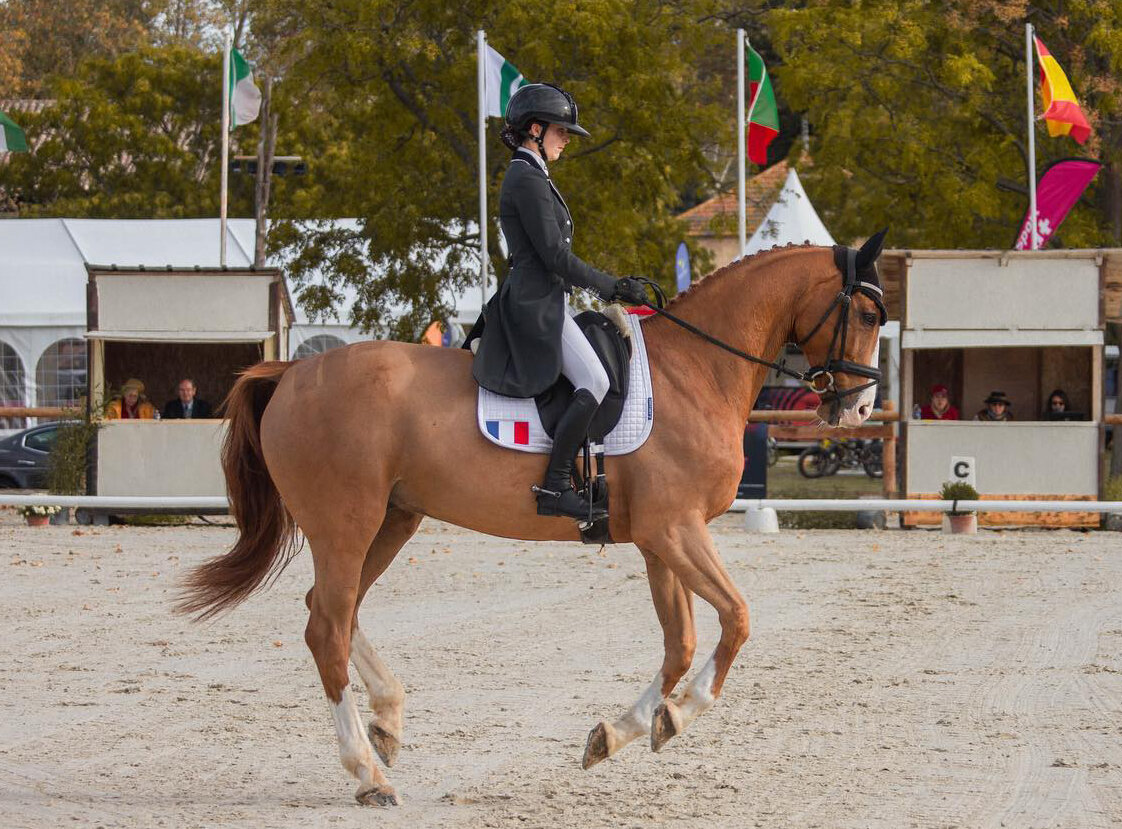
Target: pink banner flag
(1059, 189)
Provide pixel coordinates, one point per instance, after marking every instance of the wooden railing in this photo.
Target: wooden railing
(806, 425)
(33, 411)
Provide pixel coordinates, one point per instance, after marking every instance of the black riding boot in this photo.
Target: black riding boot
(556, 495)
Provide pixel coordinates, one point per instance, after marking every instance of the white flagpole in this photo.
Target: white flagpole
(1031, 138)
(741, 146)
(481, 77)
(225, 148)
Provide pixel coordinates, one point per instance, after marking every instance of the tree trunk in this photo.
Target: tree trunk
(266, 149)
(1113, 181)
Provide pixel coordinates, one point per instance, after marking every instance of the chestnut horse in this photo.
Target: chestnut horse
(355, 446)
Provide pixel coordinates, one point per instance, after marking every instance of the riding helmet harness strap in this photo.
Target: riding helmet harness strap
(833, 365)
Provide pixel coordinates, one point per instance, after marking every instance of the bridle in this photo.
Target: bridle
(820, 379)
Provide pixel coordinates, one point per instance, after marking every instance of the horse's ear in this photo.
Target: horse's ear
(871, 249)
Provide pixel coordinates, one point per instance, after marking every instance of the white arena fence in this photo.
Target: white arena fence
(919, 505)
(111, 502)
(186, 504)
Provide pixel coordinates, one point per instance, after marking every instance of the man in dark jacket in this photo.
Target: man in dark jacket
(186, 406)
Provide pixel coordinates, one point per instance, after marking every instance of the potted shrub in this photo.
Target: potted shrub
(38, 516)
(69, 458)
(959, 521)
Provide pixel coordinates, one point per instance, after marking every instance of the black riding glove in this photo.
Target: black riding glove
(630, 291)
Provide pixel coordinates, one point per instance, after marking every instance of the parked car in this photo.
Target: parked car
(23, 457)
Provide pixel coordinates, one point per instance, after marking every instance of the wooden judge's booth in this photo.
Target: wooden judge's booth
(161, 326)
(1024, 323)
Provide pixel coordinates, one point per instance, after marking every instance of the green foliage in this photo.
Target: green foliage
(1112, 489)
(41, 38)
(133, 136)
(66, 464)
(958, 491)
(918, 113)
(395, 145)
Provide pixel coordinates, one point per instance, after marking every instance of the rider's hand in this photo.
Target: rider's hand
(630, 291)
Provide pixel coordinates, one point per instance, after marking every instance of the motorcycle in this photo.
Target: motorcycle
(828, 456)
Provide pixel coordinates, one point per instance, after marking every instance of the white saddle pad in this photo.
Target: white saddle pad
(513, 422)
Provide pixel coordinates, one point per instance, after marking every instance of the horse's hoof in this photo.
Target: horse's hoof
(598, 746)
(385, 743)
(376, 795)
(664, 725)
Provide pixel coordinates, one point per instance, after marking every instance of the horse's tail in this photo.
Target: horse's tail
(266, 531)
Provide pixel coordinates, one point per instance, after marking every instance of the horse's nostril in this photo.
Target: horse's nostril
(864, 410)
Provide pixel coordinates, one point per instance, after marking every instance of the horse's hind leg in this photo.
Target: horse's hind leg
(339, 552)
(387, 696)
(674, 606)
(688, 550)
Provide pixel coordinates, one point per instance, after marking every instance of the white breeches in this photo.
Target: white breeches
(579, 362)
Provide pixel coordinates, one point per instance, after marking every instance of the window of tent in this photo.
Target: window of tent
(12, 386)
(61, 375)
(317, 345)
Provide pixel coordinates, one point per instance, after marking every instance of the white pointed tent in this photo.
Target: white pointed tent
(792, 219)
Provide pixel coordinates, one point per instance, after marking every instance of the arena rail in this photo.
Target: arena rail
(111, 502)
(919, 505)
(739, 505)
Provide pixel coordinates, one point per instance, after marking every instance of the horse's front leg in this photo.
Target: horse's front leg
(690, 553)
(674, 606)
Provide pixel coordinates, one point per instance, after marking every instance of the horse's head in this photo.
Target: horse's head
(838, 329)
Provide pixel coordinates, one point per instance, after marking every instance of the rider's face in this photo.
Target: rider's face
(554, 141)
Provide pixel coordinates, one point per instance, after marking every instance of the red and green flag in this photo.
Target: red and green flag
(12, 139)
(763, 114)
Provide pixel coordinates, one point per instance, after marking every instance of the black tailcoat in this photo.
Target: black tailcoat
(520, 351)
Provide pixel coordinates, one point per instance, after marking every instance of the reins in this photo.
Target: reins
(813, 375)
(709, 338)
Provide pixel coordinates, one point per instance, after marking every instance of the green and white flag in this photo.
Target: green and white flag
(12, 139)
(245, 98)
(502, 79)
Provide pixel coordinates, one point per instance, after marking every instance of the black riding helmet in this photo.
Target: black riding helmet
(542, 102)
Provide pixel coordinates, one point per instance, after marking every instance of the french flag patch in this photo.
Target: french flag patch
(510, 432)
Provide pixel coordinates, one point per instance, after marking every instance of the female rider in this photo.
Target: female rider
(530, 338)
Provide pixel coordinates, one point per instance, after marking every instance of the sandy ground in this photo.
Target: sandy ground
(894, 679)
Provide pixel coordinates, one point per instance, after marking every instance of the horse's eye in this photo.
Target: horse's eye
(869, 318)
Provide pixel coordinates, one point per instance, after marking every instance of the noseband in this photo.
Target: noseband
(814, 377)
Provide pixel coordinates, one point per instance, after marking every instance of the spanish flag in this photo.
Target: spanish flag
(1061, 110)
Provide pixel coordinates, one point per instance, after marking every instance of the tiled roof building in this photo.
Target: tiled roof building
(713, 223)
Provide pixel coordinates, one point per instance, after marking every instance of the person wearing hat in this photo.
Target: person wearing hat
(940, 407)
(132, 404)
(528, 337)
(997, 408)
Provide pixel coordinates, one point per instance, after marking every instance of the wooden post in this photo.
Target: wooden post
(888, 458)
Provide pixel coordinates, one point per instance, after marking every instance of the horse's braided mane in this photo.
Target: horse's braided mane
(701, 284)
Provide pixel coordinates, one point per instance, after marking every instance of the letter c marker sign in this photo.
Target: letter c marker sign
(962, 469)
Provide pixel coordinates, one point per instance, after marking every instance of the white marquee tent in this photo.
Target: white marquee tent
(43, 293)
(792, 219)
